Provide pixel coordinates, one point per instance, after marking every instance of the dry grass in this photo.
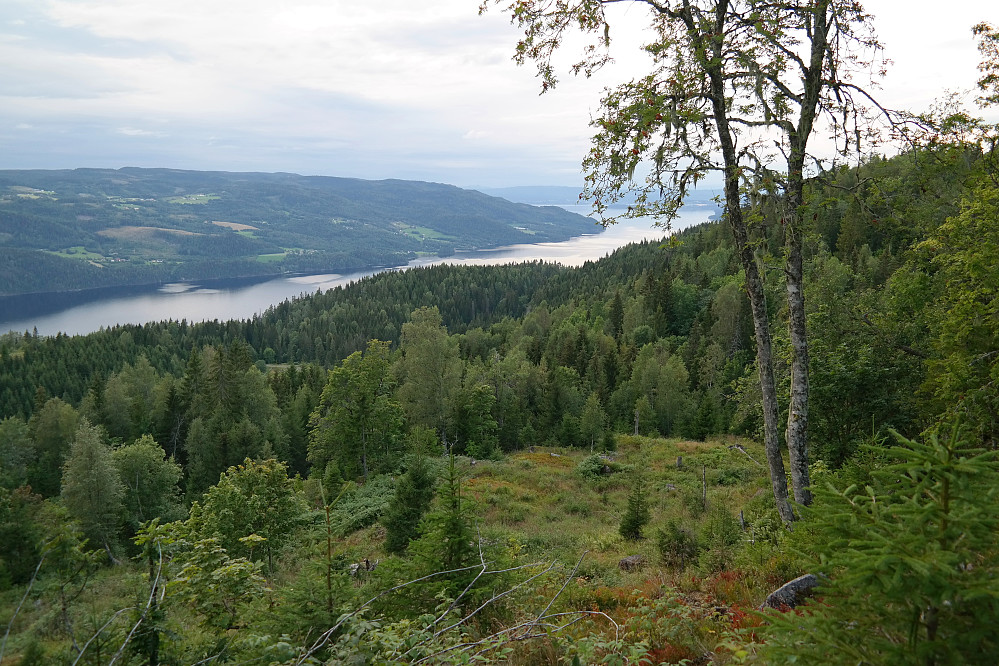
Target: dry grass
(235, 226)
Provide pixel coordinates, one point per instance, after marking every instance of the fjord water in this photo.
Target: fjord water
(81, 313)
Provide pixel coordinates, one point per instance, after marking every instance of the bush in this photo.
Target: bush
(364, 505)
(595, 466)
(720, 537)
(678, 546)
(732, 476)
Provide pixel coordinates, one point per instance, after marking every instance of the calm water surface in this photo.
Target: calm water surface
(78, 314)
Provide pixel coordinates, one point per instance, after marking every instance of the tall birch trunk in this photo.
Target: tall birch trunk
(754, 281)
(797, 418)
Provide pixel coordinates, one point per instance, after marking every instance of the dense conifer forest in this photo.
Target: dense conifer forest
(531, 463)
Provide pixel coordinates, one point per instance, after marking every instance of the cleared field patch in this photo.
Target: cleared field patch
(192, 199)
(235, 226)
(77, 252)
(271, 258)
(139, 233)
(421, 233)
(29, 192)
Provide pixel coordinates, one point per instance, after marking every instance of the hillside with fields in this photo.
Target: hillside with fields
(84, 228)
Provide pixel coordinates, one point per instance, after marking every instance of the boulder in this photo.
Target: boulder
(631, 562)
(791, 594)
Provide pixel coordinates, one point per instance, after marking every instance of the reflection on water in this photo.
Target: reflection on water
(241, 299)
(176, 287)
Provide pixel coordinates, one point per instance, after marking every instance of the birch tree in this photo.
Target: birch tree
(736, 88)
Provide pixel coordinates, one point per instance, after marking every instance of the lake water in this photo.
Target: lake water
(78, 313)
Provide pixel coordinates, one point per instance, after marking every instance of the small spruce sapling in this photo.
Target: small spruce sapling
(413, 495)
(911, 561)
(636, 516)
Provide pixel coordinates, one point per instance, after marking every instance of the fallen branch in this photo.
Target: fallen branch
(738, 447)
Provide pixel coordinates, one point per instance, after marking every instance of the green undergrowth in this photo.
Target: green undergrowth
(563, 507)
(545, 521)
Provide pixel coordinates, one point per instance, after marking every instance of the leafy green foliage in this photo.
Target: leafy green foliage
(362, 505)
(431, 371)
(255, 499)
(357, 424)
(52, 428)
(216, 586)
(966, 374)
(151, 483)
(91, 488)
(911, 562)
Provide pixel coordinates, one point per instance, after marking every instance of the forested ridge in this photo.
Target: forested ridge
(85, 228)
(589, 414)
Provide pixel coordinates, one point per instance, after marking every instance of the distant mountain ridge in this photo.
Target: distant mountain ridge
(72, 229)
(561, 195)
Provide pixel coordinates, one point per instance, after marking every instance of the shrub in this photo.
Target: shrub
(678, 545)
(720, 537)
(364, 505)
(595, 466)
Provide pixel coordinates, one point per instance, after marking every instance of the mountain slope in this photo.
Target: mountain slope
(98, 227)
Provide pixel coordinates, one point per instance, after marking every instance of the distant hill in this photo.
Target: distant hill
(71, 229)
(553, 195)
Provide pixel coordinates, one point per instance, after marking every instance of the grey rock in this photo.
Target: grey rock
(791, 594)
(631, 562)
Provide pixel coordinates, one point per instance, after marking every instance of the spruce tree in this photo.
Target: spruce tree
(910, 563)
(446, 544)
(636, 516)
(413, 495)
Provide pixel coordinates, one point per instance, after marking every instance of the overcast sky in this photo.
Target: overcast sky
(369, 89)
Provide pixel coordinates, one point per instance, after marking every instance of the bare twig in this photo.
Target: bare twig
(562, 589)
(494, 599)
(99, 632)
(454, 602)
(539, 621)
(145, 612)
(325, 636)
(738, 447)
(3, 645)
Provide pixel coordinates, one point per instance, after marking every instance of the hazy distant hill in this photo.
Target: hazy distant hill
(81, 228)
(554, 195)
